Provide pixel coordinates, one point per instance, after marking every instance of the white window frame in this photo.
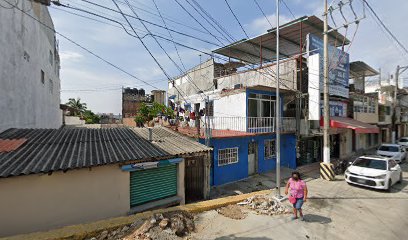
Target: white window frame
(270, 155)
(227, 157)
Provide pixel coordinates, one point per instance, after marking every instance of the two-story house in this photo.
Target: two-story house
(363, 106)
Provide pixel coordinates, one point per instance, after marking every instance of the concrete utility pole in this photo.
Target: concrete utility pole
(394, 107)
(326, 116)
(277, 108)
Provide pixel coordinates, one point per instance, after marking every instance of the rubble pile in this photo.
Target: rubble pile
(165, 226)
(265, 205)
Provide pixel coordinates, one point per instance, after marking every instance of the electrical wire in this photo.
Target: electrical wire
(236, 18)
(83, 48)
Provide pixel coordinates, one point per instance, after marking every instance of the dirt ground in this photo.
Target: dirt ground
(233, 211)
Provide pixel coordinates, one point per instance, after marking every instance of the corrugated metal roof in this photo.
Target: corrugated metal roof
(172, 142)
(48, 150)
(291, 36)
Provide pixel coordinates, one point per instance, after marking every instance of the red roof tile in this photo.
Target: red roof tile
(8, 145)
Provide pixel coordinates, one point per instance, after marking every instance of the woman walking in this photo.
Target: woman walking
(298, 194)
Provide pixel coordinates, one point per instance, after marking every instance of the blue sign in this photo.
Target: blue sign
(339, 66)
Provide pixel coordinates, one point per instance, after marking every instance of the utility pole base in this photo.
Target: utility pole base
(327, 171)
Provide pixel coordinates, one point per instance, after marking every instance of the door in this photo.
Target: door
(153, 184)
(194, 179)
(335, 145)
(252, 157)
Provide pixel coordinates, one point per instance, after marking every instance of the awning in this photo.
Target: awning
(359, 127)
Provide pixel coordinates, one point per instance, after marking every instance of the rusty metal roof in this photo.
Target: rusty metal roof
(48, 150)
(291, 35)
(172, 142)
(8, 145)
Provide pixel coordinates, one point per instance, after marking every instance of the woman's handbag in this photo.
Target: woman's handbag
(292, 199)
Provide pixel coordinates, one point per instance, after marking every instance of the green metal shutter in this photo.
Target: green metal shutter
(153, 184)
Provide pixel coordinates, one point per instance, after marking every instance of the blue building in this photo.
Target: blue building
(242, 133)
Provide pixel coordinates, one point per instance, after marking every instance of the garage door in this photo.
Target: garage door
(153, 184)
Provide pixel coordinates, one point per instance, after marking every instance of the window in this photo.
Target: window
(51, 58)
(270, 148)
(227, 156)
(209, 108)
(51, 85)
(260, 105)
(391, 164)
(371, 163)
(42, 77)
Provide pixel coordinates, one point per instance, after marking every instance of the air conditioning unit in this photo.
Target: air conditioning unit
(238, 86)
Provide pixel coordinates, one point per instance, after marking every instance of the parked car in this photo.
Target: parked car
(394, 151)
(403, 142)
(374, 171)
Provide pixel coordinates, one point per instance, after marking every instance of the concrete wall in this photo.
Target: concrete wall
(129, 122)
(236, 171)
(72, 120)
(41, 202)
(27, 48)
(262, 77)
(202, 76)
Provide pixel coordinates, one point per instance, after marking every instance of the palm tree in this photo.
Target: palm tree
(77, 105)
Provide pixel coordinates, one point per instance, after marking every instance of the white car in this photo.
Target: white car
(394, 151)
(403, 142)
(374, 172)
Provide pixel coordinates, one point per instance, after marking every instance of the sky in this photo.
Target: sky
(99, 84)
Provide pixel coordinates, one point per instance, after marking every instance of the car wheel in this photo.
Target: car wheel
(400, 178)
(389, 185)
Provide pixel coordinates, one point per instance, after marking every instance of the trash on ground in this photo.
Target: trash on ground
(265, 205)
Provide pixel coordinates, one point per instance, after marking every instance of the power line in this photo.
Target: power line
(260, 9)
(195, 19)
(287, 7)
(386, 28)
(82, 47)
(236, 18)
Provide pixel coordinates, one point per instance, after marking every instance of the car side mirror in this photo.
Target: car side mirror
(394, 168)
(349, 163)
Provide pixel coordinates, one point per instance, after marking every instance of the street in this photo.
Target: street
(335, 210)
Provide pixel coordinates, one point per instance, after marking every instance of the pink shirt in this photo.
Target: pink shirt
(297, 188)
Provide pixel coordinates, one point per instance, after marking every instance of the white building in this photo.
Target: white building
(29, 68)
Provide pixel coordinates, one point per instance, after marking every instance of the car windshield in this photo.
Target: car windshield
(389, 148)
(403, 140)
(371, 163)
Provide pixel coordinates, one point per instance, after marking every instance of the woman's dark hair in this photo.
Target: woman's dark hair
(297, 173)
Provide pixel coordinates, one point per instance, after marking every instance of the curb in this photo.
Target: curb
(87, 230)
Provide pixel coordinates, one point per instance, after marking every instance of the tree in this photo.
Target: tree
(147, 113)
(90, 117)
(77, 105)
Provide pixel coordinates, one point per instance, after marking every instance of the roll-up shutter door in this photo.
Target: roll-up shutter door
(153, 184)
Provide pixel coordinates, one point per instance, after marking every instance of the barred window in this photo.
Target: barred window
(227, 156)
(270, 148)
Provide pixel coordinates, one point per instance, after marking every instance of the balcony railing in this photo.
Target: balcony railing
(252, 124)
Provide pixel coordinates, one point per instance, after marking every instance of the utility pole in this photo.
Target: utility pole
(394, 107)
(277, 108)
(326, 116)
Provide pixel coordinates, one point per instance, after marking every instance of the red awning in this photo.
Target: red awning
(359, 127)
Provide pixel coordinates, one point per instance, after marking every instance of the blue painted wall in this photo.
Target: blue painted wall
(236, 171)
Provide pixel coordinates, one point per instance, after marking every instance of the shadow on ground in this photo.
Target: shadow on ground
(233, 237)
(313, 218)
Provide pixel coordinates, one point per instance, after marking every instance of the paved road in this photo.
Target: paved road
(335, 211)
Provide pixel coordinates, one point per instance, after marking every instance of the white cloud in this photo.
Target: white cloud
(261, 24)
(70, 56)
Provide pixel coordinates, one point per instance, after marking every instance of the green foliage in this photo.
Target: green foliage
(77, 105)
(90, 117)
(147, 113)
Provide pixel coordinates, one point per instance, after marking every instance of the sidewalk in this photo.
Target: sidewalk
(263, 181)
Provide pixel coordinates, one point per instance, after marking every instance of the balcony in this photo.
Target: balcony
(240, 126)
